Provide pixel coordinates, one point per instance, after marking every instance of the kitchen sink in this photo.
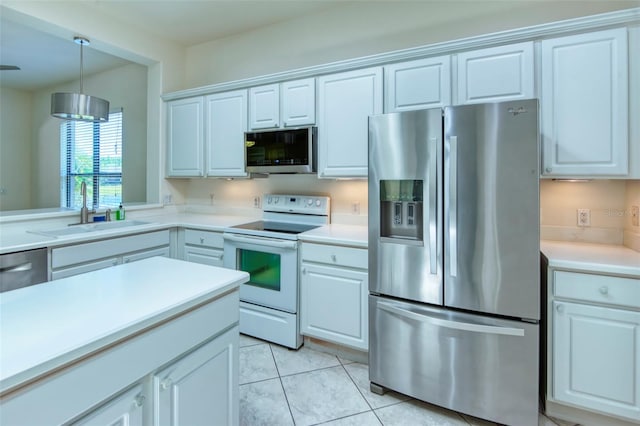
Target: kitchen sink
(89, 227)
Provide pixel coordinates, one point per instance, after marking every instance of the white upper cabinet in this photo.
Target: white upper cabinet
(265, 106)
(425, 83)
(226, 122)
(298, 105)
(346, 100)
(496, 74)
(584, 103)
(289, 104)
(185, 137)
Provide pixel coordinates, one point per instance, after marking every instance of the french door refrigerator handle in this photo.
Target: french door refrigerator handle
(456, 325)
(451, 160)
(432, 204)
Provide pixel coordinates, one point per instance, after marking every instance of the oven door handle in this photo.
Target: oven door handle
(263, 241)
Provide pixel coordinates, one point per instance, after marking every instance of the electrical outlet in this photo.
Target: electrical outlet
(634, 216)
(355, 207)
(584, 217)
(256, 202)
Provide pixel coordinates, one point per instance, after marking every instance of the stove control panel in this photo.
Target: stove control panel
(304, 204)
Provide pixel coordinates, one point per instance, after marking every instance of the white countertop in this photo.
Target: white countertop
(599, 258)
(24, 236)
(43, 327)
(349, 235)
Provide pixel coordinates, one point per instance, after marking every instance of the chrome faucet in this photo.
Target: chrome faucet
(84, 212)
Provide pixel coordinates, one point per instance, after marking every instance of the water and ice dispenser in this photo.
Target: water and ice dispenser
(401, 204)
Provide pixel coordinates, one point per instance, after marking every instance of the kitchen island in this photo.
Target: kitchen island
(133, 342)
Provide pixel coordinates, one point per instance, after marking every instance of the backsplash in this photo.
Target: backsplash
(348, 197)
(608, 201)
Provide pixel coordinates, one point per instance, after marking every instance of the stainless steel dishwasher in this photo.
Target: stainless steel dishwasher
(22, 269)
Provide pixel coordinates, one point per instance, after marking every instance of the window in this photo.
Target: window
(91, 153)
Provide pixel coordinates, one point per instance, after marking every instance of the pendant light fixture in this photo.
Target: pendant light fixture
(78, 106)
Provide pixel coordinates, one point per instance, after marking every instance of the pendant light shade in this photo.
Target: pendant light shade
(78, 106)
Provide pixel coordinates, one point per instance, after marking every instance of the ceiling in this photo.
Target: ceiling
(185, 22)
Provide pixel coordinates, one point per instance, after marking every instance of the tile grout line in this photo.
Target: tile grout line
(284, 391)
(360, 392)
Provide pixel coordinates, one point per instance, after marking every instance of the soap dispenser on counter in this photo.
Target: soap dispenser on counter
(120, 213)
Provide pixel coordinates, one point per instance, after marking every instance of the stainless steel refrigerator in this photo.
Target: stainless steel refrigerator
(454, 305)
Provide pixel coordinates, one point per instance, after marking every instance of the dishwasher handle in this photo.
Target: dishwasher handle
(262, 241)
(23, 267)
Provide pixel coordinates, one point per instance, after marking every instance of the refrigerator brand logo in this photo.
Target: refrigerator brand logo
(514, 111)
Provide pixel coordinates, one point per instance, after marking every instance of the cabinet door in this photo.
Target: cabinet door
(425, 83)
(202, 387)
(346, 101)
(134, 257)
(185, 137)
(584, 104)
(334, 305)
(264, 107)
(226, 123)
(496, 74)
(87, 267)
(203, 255)
(298, 102)
(125, 409)
(596, 358)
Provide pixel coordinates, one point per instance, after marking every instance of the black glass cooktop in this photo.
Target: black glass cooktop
(284, 227)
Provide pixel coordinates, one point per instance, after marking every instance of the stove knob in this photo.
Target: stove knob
(309, 202)
(275, 200)
(269, 200)
(318, 202)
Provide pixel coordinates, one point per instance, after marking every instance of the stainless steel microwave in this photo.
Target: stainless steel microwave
(291, 150)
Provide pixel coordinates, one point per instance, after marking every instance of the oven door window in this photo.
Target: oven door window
(263, 268)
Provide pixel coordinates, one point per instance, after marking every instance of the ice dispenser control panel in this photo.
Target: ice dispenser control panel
(401, 210)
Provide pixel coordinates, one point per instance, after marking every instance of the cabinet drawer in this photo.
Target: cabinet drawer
(81, 253)
(597, 288)
(335, 255)
(197, 237)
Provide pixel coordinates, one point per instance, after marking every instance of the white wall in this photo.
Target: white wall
(15, 149)
(124, 87)
(367, 27)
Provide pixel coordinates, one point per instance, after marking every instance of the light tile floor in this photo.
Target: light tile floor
(279, 386)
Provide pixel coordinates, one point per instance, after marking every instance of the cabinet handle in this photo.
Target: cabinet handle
(548, 170)
(166, 384)
(138, 400)
(334, 258)
(201, 240)
(304, 271)
(560, 308)
(114, 262)
(127, 260)
(604, 289)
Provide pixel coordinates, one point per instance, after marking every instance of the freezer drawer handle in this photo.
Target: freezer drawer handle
(18, 268)
(464, 326)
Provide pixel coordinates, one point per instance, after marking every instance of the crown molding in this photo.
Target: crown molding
(553, 29)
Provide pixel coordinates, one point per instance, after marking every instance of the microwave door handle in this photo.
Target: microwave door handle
(262, 241)
(432, 204)
(456, 325)
(451, 192)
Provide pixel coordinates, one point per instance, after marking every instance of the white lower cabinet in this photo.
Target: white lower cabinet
(205, 247)
(202, 387)
(334, 288)
(80, 258)
(127, 409)
(595, 341)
